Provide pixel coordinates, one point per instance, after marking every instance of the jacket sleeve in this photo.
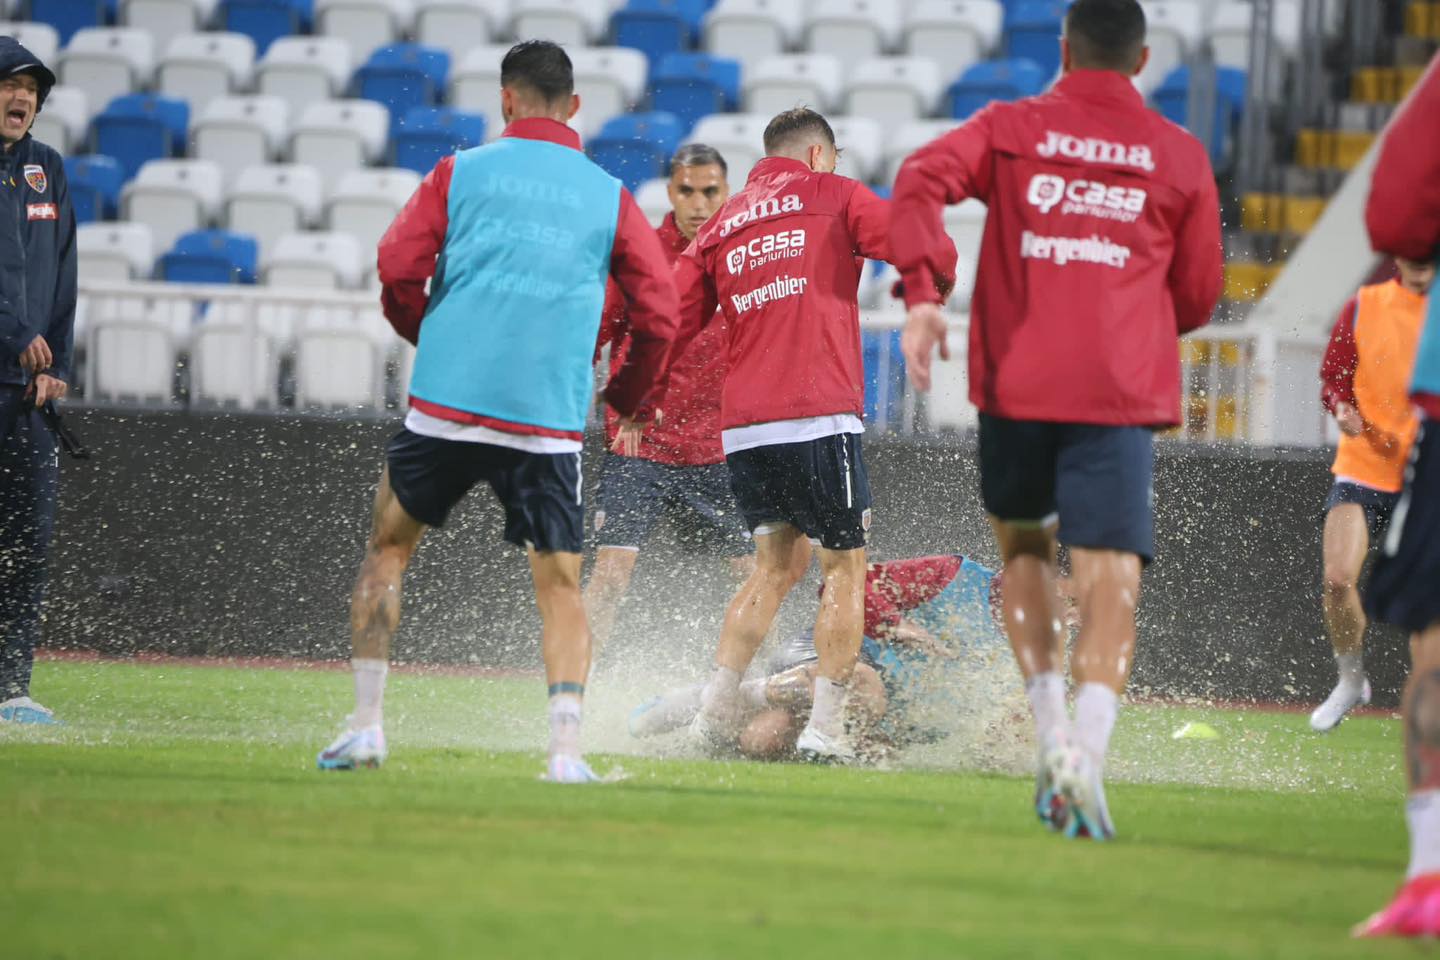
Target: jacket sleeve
(1337, 370)
(642, 272)
(1197, 269)
(698, 303)
(868, 218)
(407, 252)
(954, 167)
(1403, 211)
(612, 319)
(60, 334)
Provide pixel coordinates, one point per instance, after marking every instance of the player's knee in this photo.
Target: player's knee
(1339, 583)
(1425, 708)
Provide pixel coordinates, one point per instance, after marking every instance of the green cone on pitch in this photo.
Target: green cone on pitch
(1195, 730)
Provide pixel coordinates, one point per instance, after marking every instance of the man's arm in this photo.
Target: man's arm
(612, 320)
(1197, 269)
(1337, 370)
(642, 272)
(1403, 212)
(406, 253)
(60, 334)
(868, 218)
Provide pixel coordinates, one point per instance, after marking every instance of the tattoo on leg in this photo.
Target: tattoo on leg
(1422, 731)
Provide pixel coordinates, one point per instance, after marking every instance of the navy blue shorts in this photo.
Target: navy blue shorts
(820, 487)
(539, 491)
(1097, 480)
(1405, 584)
(634, 494)
(1377, 504)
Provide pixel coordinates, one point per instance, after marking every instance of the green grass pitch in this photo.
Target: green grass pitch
(178, 814)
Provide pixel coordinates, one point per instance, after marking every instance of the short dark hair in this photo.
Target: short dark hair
(1105, 34)
(698, 155)
(794, 124)
(540, 66)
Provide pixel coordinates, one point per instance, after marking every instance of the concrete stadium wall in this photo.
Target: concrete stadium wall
(229, 535)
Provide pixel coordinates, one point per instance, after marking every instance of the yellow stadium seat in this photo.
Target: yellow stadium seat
(1301, 213)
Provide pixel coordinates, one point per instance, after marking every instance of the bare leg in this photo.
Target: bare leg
(609, 580)
(1346, 541)
(1420, 709)
(565, 639)
(1028, 596)
(375, 602)
(1107, 588)
(840, 624)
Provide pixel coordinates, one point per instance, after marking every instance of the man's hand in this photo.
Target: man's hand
(924, 329)
(37, 356)
(46, 388)
(1348, 419)
(627, 437)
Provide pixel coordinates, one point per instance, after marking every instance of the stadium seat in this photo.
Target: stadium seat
(266, 21)
(366, 25)
(780, 83)
(636, 147)
(610, 80)
(948, 406)
(965, 223)
(1230, 22)
(574, 23)
(337, 136)
(302, 70)
(235, 357)
(1173, 29)
(240, 132)
(475, 85)
(139, 127)
(751, 30)
(994, 80)
(339, 366)
(852, 30)
(956, 34)
(658, 27)
(1032, 32)
(456, 26)
(270, 201)
(172, 198)
(892, 91)
(739, 138)
(860, 140)
(401, 76)
(39, 38)
(908, 138)
(65, 121)
(166, 19)
(115, 252)
(364, 204)
(95, 183)
(1172, 98)
(653, 198)
(131, 349)
(884, 368)
(695, 85)
(428, 133)
(327, 261)
(69, 17)
(210, 256)
(107, 62)
(202, 66)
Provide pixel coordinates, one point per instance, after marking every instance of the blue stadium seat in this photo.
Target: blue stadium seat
(67, 16)
(636, 146)
(141, 126)
(95, 181)
(658, 27)
(695, 85)
(994, 80)
(428, 133)
(1032, 32)
(266, 21)
(402, 76)
(1172, 98)
(884, 376)
(211, 256)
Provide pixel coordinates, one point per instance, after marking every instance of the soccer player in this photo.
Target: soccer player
(1403, 215)
(1101, 246)
(677, 463)
(780, 260)
(516, 239)
(1366, 386)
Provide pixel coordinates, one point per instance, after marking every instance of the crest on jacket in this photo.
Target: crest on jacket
(35, 176)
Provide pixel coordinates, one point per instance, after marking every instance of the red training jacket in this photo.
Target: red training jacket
(1337, 370)
(779, 259)
(1101, 246)
(895, 587)
(688, 434)
(406, 261)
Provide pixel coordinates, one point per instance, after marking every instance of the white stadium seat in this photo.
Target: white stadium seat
(324, 260)
(115, 251)
(852, 30)
(107, 62)
(948, 405)
(752, 30)
(365, 202)
(132, 345)
(574, 23)
(456, 26)
(653, 198)
(364, 24)
(340, 363)
(302, 70)
(166, 19)
(908, 138)
(340, 135)
(240, 132)
(861, 142)
(780, 83)
(892, 91)
(1230, 36)
(202, 66)
(270, 201)
(956, 34)
(475, 86)
(965, 223)
(235, 354)
(64, 122)
(40, 39)
(610, 80)
(1172, 31)
(172, 197)
(738, 136)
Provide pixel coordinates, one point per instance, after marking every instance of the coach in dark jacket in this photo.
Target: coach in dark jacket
(37, 318)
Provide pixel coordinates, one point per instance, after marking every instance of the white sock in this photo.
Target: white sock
(827, 716)
(565, 724)
(370, 677)
(753, 693)
(721, 693)
(1095, 708)
(1047, 704)
(1351, 667)
(1422, 814)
